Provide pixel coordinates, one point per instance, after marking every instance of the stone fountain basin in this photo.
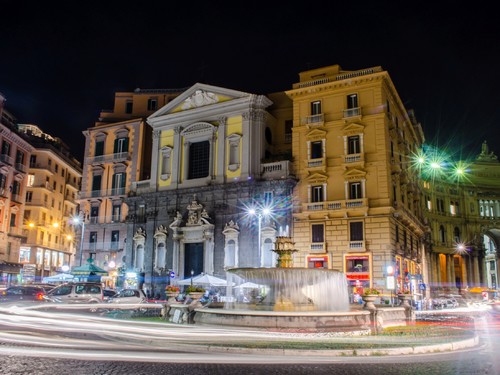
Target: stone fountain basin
(350, 321)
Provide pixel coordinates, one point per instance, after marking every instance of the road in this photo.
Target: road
(46, 343)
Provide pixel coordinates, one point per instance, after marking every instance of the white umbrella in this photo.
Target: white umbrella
(248, 285)
(204, 279)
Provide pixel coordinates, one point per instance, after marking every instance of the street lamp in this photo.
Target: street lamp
(80, 220)
(192, 273)
(259, 212)
(461, 249)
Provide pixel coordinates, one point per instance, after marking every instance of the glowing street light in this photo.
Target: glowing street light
(461, 249)
(80, 220)
(260, 213)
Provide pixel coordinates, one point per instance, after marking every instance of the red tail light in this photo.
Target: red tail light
(39, 296)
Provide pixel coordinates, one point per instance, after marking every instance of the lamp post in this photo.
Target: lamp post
(259, 212)
(192, 273)
(462, 249)
(80, 219)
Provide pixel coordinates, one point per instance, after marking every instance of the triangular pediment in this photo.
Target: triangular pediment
(354, 173)
(316, 178)
(353, 128)
(316, 134)
(197, 96)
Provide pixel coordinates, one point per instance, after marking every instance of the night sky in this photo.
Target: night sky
(60, 65)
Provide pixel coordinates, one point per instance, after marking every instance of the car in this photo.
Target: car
(78, 292)
(129, 296)
(28, 293)
(108, 293)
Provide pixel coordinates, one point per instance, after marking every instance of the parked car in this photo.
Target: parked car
(129, 296)
(79, 292)
(27, 293)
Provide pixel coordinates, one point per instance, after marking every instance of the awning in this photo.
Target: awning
(10, 267)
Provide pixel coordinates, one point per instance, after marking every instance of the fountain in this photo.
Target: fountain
(295, 298)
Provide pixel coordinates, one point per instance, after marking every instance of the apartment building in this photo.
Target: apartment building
(117, 155)
(358, 204)
(52, 186)
(14, 157)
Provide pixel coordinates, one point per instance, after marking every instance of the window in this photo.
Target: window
(352, 101)
(3, 181)
(356, 230)
(33, 161)
(129, 106)
(16, 187)
(316, 150)
(116, 216)
(118, 183)
(13, 220)
(199, 159)
(121, 145)
(152, 104)
(442, 234)
(99, 148)
(288, 131)
(355, 190)
(317, 193)
(316, 108)
(456, 235)
(30, 180)
(353, 145)
(318, 233)
(5, 148)
(92, 240)
(19, 157)
(94, 214)
(96, 183)
(115, 238)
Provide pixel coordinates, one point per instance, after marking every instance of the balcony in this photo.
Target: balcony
(352, 112)
(141, 187)
(315, 163)
(276, 170)
(103, 246)
(336, 205)
(21, 167)
(101, 159)
(103, 193)
(357, 246)
(318, 247)
(6, 159)
(354, 158)
(314, 120)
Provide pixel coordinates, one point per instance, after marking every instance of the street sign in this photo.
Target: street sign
(172, 274)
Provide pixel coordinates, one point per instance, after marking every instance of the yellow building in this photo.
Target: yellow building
(462, 204)
(14, 157)
(117, 155)
(52, 186)
(358, 207)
